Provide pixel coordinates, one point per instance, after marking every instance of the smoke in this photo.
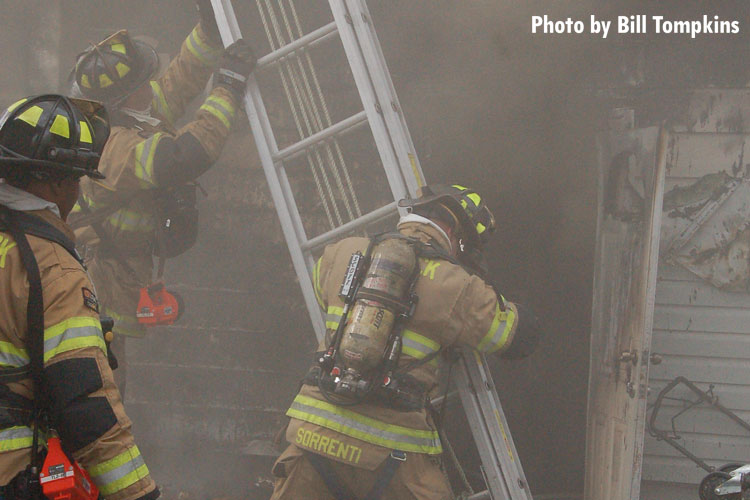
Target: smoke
(489, 105)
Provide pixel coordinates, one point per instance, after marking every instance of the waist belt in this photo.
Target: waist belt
(14, 409)
(403, 393)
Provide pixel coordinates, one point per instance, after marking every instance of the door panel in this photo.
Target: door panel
(632, 168)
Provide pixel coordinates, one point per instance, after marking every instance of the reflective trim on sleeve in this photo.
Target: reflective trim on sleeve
(333, 317)
(159, 102)
(119, 472)
(144, 159)
(16, 438)
(12, 356)
(127, 325)
(221, 109)
(201, 50)
(73, 333)
(364, 428)
(316, 284)
(497, 336)
(128, 220)
(418, 346)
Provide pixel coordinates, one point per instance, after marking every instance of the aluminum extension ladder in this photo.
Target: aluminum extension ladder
(501, 467)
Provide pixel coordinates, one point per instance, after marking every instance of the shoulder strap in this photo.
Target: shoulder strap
(33, 225)
(34, 313)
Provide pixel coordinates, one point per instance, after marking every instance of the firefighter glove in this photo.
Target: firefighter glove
(235, 66)
(208, 21)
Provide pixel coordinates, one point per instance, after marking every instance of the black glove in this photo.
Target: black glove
(235, 66)
(528, 334)
(208, 21)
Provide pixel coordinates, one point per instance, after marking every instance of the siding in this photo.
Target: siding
(701, 332)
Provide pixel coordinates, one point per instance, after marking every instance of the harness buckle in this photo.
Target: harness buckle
(398, 455)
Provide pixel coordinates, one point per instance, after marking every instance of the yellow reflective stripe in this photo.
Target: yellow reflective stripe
(364, 428)
(104, 80)
(5, 245)
(31, 115)
(16, 438)
(144, 158)
(85, 132)
(316, 284)
(60, 126)
(127, 325)
(333, 317)
(159, 102)
(118, 47)
(203, 52)
(220, 108)
(73, 333)
(85, 81)
(12, 356)
(418, 346)
(499, 331)
(122, 69)
(119, 472)
(475, 198)
(127, 220)
(16, 104)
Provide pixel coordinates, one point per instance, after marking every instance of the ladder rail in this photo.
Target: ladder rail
(408, 162)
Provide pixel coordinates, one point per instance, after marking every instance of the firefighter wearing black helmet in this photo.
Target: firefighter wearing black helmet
(381, 441)
(146, 207)
(54, 371)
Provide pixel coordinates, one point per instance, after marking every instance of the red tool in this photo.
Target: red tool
(158, 306)
(63, 479)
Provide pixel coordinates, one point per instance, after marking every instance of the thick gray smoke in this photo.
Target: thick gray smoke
(489, 105)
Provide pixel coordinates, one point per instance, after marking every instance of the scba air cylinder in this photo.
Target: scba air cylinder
(386, 284)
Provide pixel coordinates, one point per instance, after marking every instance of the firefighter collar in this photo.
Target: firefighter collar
(18, 199)
(424, 220)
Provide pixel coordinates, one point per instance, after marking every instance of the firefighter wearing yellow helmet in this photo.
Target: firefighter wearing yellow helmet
(54, 371)
(146, 207)
(360, 429)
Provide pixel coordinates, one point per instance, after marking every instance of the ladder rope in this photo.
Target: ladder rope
(326, 114)
(304, 111)
(295, 115)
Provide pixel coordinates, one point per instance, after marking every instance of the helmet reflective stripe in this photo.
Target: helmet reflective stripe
(85, 132)
(61, 126)
(122, 69)
(119, 47)
(16, 104)
(31, 115)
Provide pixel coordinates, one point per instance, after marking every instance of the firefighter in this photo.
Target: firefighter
(383, 443)
(146, 207)
(54, 371)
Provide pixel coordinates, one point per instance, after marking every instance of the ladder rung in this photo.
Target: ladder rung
(312, 38)
(373, 216)
(336, 128)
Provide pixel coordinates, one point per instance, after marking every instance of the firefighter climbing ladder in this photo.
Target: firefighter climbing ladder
(381, 111)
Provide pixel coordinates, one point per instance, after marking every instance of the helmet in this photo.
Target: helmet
(115, 68)
(53, 135)
(468, 209)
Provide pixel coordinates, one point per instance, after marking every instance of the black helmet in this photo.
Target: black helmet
(115, 68)
(53, 135)
(469, 210)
